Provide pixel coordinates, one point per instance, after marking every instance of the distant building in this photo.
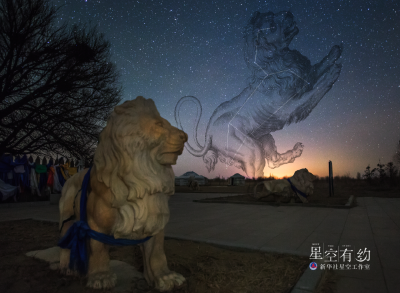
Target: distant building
(237, 180)
(183, 180)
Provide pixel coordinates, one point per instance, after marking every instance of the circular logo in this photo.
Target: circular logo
(313, 266)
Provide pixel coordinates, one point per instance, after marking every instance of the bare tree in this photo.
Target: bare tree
(392, 173)
(381, 171)
(396, 157)
(57, 84)
(368, 174)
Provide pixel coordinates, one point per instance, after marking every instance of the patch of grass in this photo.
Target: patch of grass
(207, 268)
(328, 282)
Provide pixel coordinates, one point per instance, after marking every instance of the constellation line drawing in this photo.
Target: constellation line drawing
(284, 89)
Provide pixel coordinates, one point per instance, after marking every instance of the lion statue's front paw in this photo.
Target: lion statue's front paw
(168, 281)
(102, 280)
(68, 272)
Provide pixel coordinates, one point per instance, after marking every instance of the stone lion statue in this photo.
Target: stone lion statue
(301, 181)
(284, 88)
(130, 183)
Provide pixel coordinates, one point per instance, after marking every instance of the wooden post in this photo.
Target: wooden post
(330, 180)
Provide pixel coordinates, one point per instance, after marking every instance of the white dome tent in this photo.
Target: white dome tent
(236, 179)
(183, 180)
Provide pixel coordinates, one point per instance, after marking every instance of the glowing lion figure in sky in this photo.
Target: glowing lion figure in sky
(130, 184)
(284, 88)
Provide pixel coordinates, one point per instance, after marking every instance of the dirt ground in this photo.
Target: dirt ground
(358, 188)
(207, 268)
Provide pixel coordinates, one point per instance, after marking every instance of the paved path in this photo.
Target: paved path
(374, 224)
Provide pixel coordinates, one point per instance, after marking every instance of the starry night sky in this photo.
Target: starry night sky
(169, 49)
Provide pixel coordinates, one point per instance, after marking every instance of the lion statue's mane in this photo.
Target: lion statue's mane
(125, 162)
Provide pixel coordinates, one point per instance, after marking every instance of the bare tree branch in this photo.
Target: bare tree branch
(57, 85)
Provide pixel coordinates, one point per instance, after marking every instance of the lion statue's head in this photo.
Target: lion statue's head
(267, 38)
(134, 156)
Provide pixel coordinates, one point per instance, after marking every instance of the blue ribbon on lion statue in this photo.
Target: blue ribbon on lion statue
(77, 235)
(296, 190)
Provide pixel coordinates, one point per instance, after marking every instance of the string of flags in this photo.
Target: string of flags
(18, 174)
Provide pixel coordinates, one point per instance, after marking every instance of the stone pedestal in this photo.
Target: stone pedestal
(127, 276)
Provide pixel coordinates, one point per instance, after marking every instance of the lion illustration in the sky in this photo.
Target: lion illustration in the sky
(283, 89)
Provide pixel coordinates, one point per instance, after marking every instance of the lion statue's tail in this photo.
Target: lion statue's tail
(207, 145)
